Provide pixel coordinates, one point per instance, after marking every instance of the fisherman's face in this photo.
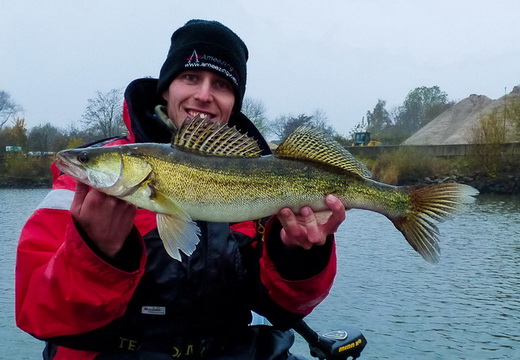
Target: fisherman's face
(201, 92)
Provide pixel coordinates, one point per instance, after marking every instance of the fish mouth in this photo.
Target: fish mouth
(70, 168)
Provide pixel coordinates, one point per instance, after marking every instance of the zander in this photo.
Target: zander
(214, 173)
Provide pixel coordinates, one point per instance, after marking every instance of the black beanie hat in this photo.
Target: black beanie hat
(207, 45)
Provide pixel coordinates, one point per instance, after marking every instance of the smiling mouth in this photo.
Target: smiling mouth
(193, 114)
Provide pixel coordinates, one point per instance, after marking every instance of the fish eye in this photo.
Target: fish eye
(83, 157)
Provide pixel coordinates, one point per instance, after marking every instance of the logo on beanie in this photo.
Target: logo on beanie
(211, 62)
(194, 57)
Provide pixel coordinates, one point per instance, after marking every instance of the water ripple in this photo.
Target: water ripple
(466, 307)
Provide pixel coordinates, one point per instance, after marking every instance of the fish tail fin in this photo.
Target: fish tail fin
(430, 204)
(177, 235)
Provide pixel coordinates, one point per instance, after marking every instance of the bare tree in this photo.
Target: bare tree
(284, 125)
(8, 108)
(255, 111)
(320, 121)
(104, 114)
(488, 135)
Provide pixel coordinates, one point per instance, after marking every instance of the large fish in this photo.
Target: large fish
(214, 173)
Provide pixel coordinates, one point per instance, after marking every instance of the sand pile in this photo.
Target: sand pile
(455, 125)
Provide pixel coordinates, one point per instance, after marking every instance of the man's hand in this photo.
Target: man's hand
(105, 219)
(311, 228)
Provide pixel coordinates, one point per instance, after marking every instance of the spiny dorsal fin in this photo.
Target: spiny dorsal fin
(308, 143)
(215, 139)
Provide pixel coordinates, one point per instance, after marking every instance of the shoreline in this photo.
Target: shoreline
(25, 184)
(503, 184)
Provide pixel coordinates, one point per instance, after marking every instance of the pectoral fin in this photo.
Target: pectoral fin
(176, 228)
(178, 233)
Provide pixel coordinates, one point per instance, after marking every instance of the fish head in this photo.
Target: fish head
(109, 169)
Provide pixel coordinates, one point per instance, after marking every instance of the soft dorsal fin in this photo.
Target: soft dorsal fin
(214, 139)
(308, 143)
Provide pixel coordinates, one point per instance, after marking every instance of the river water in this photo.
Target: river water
(466, 307)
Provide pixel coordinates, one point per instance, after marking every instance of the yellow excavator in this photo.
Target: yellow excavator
(363, 139)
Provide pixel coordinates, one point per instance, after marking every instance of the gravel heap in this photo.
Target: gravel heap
(455, 125)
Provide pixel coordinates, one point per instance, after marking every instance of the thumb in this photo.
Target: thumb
(79, 197)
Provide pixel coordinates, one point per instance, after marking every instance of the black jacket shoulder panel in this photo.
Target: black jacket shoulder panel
(141, 99)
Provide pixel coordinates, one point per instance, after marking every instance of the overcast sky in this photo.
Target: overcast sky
(338, 56)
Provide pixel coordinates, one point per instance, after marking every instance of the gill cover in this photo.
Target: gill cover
(114, 172)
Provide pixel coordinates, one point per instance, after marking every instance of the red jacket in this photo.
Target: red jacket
(66, 292)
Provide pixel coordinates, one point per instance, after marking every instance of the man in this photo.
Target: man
(94, 281)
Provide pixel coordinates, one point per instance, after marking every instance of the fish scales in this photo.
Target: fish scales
(232, 189)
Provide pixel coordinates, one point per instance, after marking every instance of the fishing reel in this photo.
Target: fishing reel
(334, 345)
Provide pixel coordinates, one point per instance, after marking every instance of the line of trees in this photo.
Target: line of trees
(102, 118)
(421, 105)
(279, 128)
(27, 162)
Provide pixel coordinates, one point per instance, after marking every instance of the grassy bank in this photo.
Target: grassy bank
(21, 171)
(489, 173)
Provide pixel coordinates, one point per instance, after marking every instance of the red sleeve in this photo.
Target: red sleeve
(247, 228)
(62, 286)
(297, 296)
